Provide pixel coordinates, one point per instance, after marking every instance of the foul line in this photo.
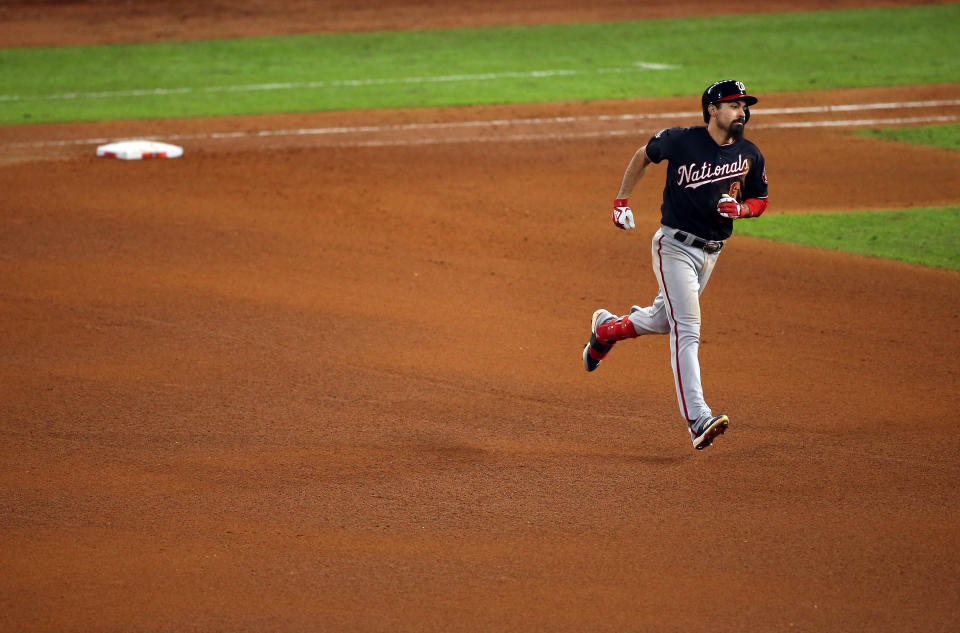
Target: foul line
(375, 129)
(339, 83)
(559, 136)
(855, 122)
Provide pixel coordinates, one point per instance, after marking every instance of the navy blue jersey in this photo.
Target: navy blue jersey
(698, 172)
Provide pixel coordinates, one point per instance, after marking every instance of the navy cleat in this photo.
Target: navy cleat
(706, 428)
(596, 350)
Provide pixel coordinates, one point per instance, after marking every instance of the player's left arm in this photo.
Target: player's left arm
(755, 194)
(750, 208)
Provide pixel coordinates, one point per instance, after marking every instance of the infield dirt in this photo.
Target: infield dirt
(332, 382)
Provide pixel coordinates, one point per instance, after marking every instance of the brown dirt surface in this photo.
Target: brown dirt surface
(74, 22)
(323, 373)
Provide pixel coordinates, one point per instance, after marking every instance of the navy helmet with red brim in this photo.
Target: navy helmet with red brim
(726, 90)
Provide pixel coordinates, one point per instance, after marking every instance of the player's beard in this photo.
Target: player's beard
(735, 131)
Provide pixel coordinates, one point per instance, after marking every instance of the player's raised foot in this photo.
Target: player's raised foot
(596, 350)
(706, 428)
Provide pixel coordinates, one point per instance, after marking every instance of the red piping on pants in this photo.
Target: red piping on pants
(676, 331)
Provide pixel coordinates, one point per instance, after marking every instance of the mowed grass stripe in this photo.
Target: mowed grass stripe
(930, 236)
(770, 52)
(945, 136)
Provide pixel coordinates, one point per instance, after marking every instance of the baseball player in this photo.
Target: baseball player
(714, 176)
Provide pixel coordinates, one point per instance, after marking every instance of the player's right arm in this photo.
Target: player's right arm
(635, 171)
(622, 214)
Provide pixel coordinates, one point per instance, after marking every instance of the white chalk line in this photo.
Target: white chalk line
(495, 123)
(552, 136)
(340, 83)
(857, 122)
(559, 136)
(889, 105)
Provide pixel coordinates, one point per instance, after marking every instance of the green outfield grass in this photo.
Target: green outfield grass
(930, 237)
(946, 136)
(770, 52)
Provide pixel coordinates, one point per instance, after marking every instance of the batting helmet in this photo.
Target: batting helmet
(726, 90)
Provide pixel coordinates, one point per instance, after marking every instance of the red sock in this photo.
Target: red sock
(616, 330)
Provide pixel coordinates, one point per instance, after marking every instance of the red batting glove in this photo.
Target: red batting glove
(622, 215)
(730, 208)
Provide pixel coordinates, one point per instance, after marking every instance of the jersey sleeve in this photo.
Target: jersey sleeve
(660, 145)
(755, 184)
